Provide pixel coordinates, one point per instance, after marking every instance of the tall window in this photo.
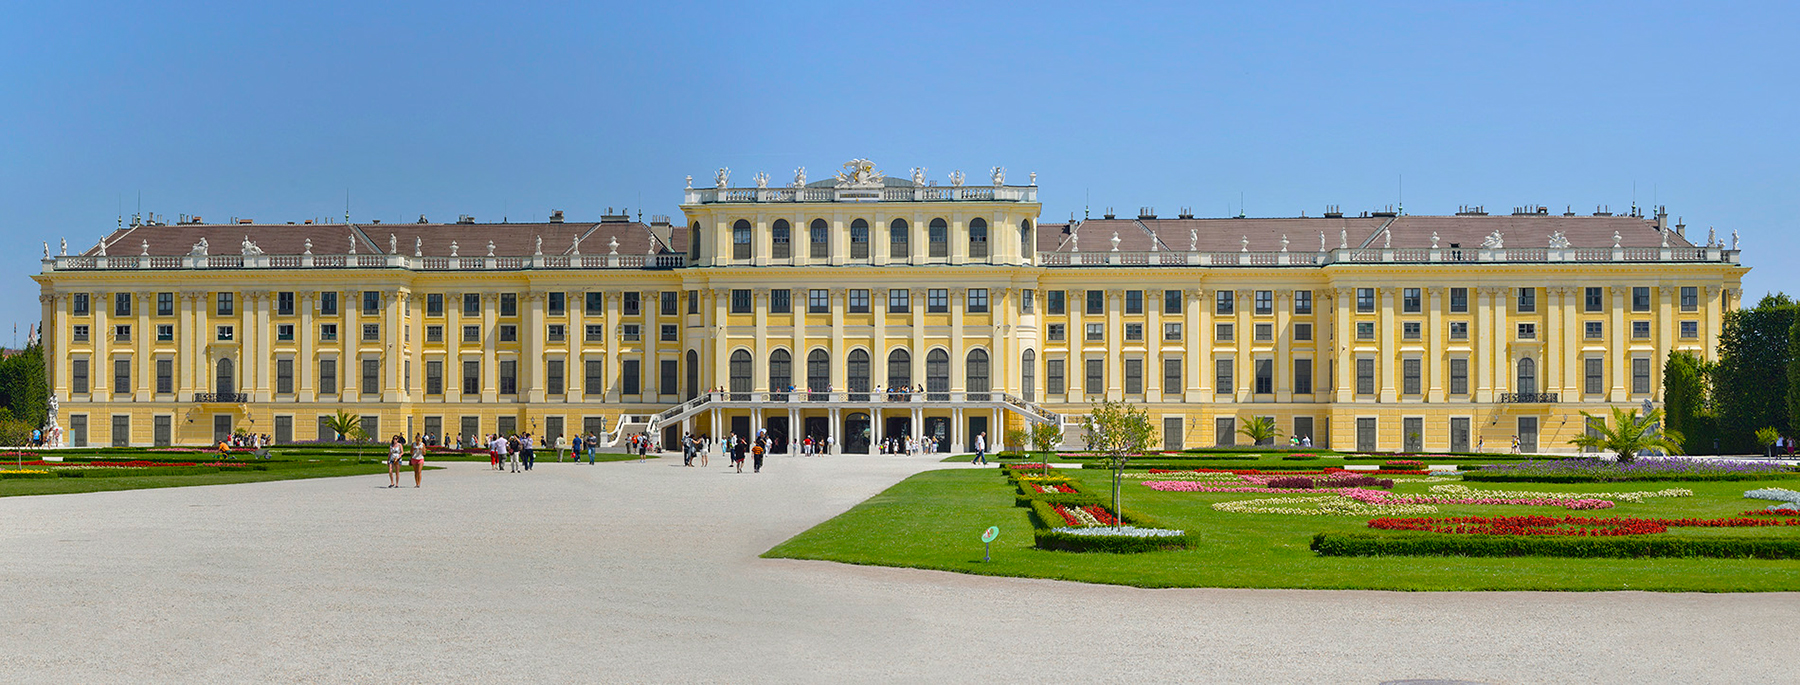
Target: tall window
(328, 376)
(899, 370)
(819, 246)
(781, 301)
(1594, 378)
(471, 377)
(1640, 375)
(666, 371)
(509, 377)
(284, 376)
(1303, 381)
(1224, 302)
(1096, 376)
(1410, 376)
(225, 380)
(371, 376)
(557, 303)
(781, 370)
(859, 239)
(1055, 382)
(740, 239)
(1222, 376)
(225, 305)
(78, 305)
(165, 304)
(1171, 375)
(937, 375)
(1640, 299)
(1459, 376)
(937, 300)
(509, 304)
(631, 377)
(1365, 376)
(859, 300)
(781, 237)
(977, 300)
(1527, 376)
(741, 383)
(1459, 300)
(1028, 375)
(1690, 298)
(939, 238)
(1053, 302)
(1303, 302)
(694, 242)
(434, 377)
(1134, 376)
(1096, 302)
(857, 373)
(1411, 301)
(1594, 299)
(898, 241)
(978, 238)
(1527, 300)
(977, 378)
(741, 301)
(1365, 300)
(122, 376)
(593, 378)
(667, 300)
(818, 371)
(1265, 376)
(78, 376)
(818, 301)
(1171, 302)
(899, 300)
(630, 304)
(165, 375)
(371, 302)
(1134, 302)
(1265, 302)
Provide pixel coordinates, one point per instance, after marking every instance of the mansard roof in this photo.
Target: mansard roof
(1303, 233)
(430, 239)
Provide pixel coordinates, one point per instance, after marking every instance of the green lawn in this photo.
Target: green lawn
(934, 520)
(278, 470)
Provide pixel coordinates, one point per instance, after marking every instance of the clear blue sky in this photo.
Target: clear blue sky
(443, 108)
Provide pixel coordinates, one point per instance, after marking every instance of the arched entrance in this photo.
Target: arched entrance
(856, 433)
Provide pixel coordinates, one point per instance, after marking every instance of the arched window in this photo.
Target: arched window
(818, 373)
(781, 236)
(693, 374)
(978, 239)
(740, 376)
(937, 376)
(899, 243)
(1028, 375)
(781, 373)
(859, 239)
(977, 375)
(740, 240)
(694, 242)
(939, 239)
(820, 239)
(227, 379)
(859, 375)
(1027, 243)
(1527, 376)
(899, 375)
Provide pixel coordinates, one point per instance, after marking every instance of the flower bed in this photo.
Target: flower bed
(16, 474)
(1567, 525)
(1329, 505)
(1644, 468)
(1635, 497)
(1402, 465)
(1632, 546)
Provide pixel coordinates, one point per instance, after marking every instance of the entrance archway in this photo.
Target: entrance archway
(856, 433)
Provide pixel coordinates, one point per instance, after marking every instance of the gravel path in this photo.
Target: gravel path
(629, 572)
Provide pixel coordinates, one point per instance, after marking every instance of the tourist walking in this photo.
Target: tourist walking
(980, 449)
(418, 462)
(562, 447)
(737, 452)
(512, 451)
(395, 448)
(756, 453)
(705, 445)
(593, 446)
(526, 451)
(578, 448)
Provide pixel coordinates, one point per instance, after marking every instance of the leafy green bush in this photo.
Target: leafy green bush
(1301, 457)
(1364, 544)
(1620, 478)
(1045, 520)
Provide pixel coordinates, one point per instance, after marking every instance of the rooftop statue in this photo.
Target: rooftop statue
(1194, 240)
(65, 247)
(103, 247)
(956, 178)
(1734, 239)
(249, 248)
(918, 177)
(308, 246)
(1284, 242)
(1559, 241)
(199, 249)
(575, 245)
(1115, 241)
(490, 248)
(352, 245)
(453, 248)
(1343, 238)
(1244, 244)
(722, 177)
(418, 246)
(1321, 241)
(800, 177)
(393, 244)
(1434, 240)
(1617, 239)
(539, 251)
(859, 173)
(145, 253)
(761, 178)
(999, 174)
(1494, 241)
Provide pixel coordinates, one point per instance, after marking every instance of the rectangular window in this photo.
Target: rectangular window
(818, 301)
(1594, 376)
(1028, 301)
(471, 304)
(859, 301)
(1053, 301)
(1222, 381)
(284, 304)
(371, 302)
(328, 304)
(1224, 302)
(1527, 300)
(1365, 300)
(1640, 375)
(1303, 331)
(630, 333)
(78, 305)
(1640, 299)
(899, 301)
(471, 377)
(371, 331)
(78, 376)
(1459, 376)
(670, 333)
(509, 333)
(1690, 330)
(1410, 330)
(666, 373)
(79, 333)
(1459, 330)
(1265, 332)
(555, 332)
(741, 301)
(629, 381)
(1134, 376)
(593, 377)
(668, 302)
(121, 304)
(122, 333)
(1265, 302)
(558, 303)
(284, 332)
(284, 377)
(1134, 302)
(592, 303)
(554, 377)
(509, 304)
(1222, 332)
(1365, 330)
(434, 377)
(937, 301)
(226, 333)
(1265, 376)
(1171, 302)
(224, 304)
(1303, 302)
(371, 376)
(1595, 299)
(1640, 330)
(978, 300)
(509, 377)
(1134, 331)
(1096, 302)
(1365, 376)
(631, 306)
(165, 303)
(693, 300)
(1054, 382)
(1409, 377)
(593, 332)
(1096, 376)
(1690, 298)
(122, 376)
(1171, 331)
(1410, 301)
(1303, 382)
(166, 332)
(471, 334)
(1171, 376)
(781, 301)
(328, 376)
(1528, 331)
(1058, 332)
(1096, 331)
(1594, 330)
(1459, 300)
(165, 375)
(1225, 431)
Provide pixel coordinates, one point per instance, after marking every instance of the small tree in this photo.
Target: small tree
(1260, 429)
(1766, 437)
(1119, 432)
(1628, 434)
(1044, 437)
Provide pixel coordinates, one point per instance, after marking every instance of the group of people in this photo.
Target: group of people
(737, 448)
(906, 445)
(513, 450)
(397, 455)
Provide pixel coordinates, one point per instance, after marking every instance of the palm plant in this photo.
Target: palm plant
(1628, 434)
(1260, 430)
(347, 425)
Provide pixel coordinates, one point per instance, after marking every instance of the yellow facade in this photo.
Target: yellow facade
(1361, 344)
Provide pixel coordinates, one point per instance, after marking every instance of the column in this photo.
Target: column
(959, 369)
(305, 366)
(453, 350)
(1710, 322)
(146, 378)
(100, 364)
(1502, 335)
(531, 360)
(1665, 336)
(1283, 365)
(916, 301)
(1390, 358)
(1481, 334)
(1550, 359)
(649, 374)
(759, 360)
(393, 339)
(1115, 342)
(613, 342)
(719, 339)
(350, 337)
(1198, 343)
(1571, 344)
(187, 354)
(1343, 337)
(835, 433)
(797, 305)
(840, 301)
(1434, 340)
(1244, 378)
(1153, 342)
(1075, 369)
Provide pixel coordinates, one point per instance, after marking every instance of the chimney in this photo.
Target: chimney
(1662, 218)
(556, 216)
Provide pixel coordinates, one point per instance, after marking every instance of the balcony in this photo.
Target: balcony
(1528, 398)
(221, 397)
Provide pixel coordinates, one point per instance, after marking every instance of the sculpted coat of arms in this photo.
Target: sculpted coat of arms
(859, 173)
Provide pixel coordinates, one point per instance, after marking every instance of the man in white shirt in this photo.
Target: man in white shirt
(980, 449)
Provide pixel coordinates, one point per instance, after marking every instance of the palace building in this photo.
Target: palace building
(862, 307)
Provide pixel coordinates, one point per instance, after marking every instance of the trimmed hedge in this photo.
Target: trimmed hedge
(1045, 518)
(1364, 544)
(1494, 477)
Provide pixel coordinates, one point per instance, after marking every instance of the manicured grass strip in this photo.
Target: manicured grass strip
(1621, 547)
(63, 486)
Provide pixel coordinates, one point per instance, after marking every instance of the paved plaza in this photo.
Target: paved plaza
(629, 572)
